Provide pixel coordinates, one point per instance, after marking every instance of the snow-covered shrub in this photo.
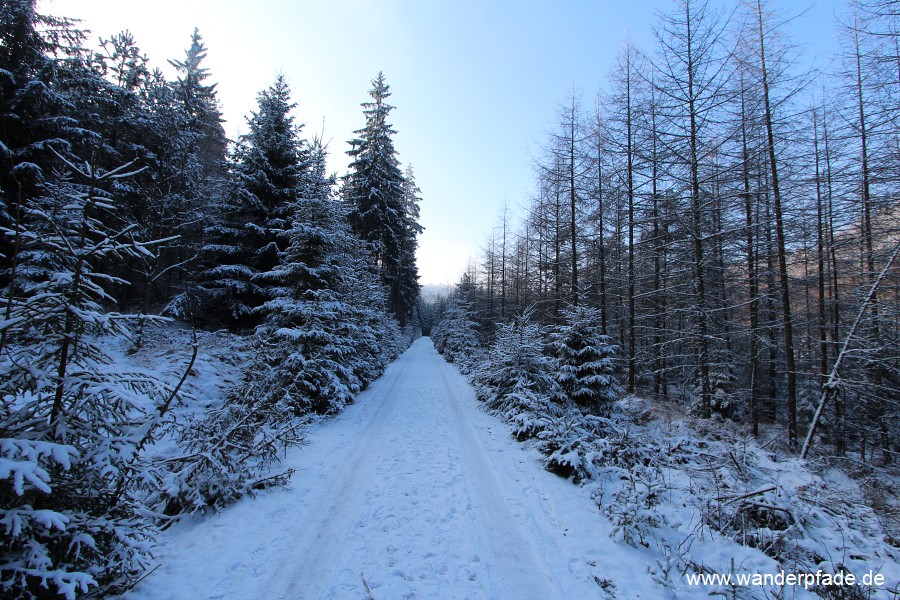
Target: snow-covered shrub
(310, 366)
(72, 424)
(724, 400)
(799, 517)
(633, 512)
(536, 393)
(29, 534)
(687, 494)
(571, 444)
(515, 379)
(376, 336)
(528, 412)
(230, 451)
(455, 336)
(585, 360)
(739, 506)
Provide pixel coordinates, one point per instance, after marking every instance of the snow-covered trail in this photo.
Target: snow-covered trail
(414, 492)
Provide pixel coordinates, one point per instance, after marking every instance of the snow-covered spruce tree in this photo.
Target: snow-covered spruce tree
(379, 339)
(384, 210)
(200, 107)
(329, 314)
(455, 335)
(309, 330)
(175, 127)
(516, 380)
(250, 232)
(71, 422)
(324, 334)
(585, 360)
(408, 270)
(107, 92)
(34, 53)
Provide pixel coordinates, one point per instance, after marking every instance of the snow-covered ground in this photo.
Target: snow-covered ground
(412, 492)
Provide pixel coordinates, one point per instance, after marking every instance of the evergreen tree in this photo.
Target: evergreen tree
(114, 98)
(408, 273)
(383, 213)
(269, 171)
(71, 423)
(188, 170)
(34, 52)
(455, 335)
(585, 371)
(309, 335)
(190, 167)
(200, 104)
(183, 193)
(516, 380)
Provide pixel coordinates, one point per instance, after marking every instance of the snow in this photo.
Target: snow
(412, 492)
(19, 461)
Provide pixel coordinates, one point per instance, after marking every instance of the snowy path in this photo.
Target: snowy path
(416, 491)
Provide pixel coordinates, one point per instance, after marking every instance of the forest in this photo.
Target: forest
(698, 305)
(733, 220)
(697, 310)
(124, 206)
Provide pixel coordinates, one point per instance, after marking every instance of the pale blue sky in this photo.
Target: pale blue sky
(476, 83)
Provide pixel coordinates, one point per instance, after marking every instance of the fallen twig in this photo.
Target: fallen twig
(366, 585)
(727, 499)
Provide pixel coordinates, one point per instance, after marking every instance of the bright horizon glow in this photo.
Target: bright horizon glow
(476, 84)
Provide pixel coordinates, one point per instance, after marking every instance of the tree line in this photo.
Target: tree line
(728, 212)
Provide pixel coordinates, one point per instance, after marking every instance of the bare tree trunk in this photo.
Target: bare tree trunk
(840, 440)
(782, 245)
(752, 282)
(877, 408)
(601, 234)
(660, 385)
(820, 257)
(572, 201)
(630, 178)
(697, 233)
(504, 224)
(771, 311)
(557, 253)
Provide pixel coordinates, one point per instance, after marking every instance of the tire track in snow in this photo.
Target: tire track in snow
(419, 491)
(519, 572)
(493, 560)
(313, 558)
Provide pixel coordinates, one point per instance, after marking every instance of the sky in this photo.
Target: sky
(476, 84)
